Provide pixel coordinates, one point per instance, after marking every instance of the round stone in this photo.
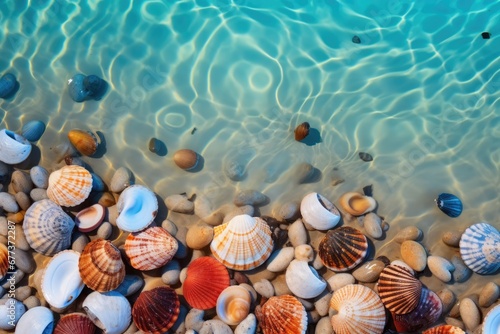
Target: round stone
(440, 267)
(408, 233)
(369, 272)
(452, 238)
(470, 314)
(280, 259)
(414, 255)
(489, 294)
(199, 236)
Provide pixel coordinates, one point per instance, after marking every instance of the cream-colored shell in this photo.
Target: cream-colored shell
(110, 311)
(70, 185)
(318, 212)
(233, 304)
(303, 280)
(137, 207)
(14, 148)
(357, 204)
(35, 321)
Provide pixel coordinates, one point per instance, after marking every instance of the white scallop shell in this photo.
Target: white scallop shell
(303, 280)
(37, 320)
(137, 207)
(110, 311)
(491, 323)
(70, 185)
(480, 248)
(233, 304)
(319, 212)
(14, 148)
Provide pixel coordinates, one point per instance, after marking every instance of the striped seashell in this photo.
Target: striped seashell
(444, 329)
(243, 243)
(33, 130)
(75, 323)
(283, 314)
(70, 185)
(205, 279)
(450, 204)
(359, 310)
(150, 248)
(4, 261)
(101, 266)
(480, 248)
(318, 212)
(343, 248)
(399, 290)
(137, 208)
(47, 227)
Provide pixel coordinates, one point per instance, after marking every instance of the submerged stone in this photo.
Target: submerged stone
(8, 84)
(356, 39)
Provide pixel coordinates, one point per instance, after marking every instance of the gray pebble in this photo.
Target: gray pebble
(215, 326)
(234, 170)
(324, 326)
(470, 314)
(40, 177)
(369, 272)
(121, 179)
(105, 230)
(322, 303)
(489, 294)
(289, 211)
(247, 326)
(340, 280)
(408, 233)
(179, 203)
(37, 194)
(250, 197)
(194, 319)
(180, 236)
(240, 210)
(373, 225)
(170, 273)
(23, 200)
(452, 238)
(170, 227)
(79, 241)
(18, 311)
(24, 261)
(8, 202)
(297, 233)
(4, 226)
(21, 242)
(32, 301)
(130, 285)
(21, 182)
(462, 273)
(440, 267)
(23, 292)
(448, 299)
(303, 172)
(4, 170)
(280, 259)
(264, 288)
(18, 276)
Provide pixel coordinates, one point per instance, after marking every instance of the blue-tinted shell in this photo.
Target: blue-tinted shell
(33, 130)
(449, 204)
(480, 248)
(7, 84)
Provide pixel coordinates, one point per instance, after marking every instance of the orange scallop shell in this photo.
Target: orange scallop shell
(75, 323)
(444, 329)
(4, 261)
(343, 248)
(399, 289)
(283, 314)
(84, 141)
(301, 131)
(70, 185)
(205, 279)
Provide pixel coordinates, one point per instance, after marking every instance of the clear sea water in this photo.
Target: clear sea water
(420, 93)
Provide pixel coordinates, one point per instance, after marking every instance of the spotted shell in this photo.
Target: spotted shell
(343, 248)
(70, 185)
(233, 304)
(75, 323)
(243, 243)
(283, 314)
(359, 310)
(444, 329)
(205, 279)
(137, 208)
(155, 311)
(480, 248)
(399, 290)
(47, 227)
(150, 248)
(4, 261)
(318, 212)
(101, 266)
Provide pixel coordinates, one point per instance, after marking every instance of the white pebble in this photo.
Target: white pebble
(470, 314)
(32, 301)
(440, 267)
(39, 177)
(297, 233)
(304, 252)
(373, 225)
(120, 180)
(37, 194)
(408, 233)
(340, 280)
(170, 227)
(179, 203)
(322, 304)
(171, 273)
(104, 231)
(324, 326)
(280, 259)
(264, 288)
(489, 294)
(247, 326)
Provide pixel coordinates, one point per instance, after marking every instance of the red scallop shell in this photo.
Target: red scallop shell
(205, 279)
(444, 329)
(75, 323)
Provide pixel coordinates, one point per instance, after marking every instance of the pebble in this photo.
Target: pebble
(247, 326)
(470, 314)
(369, 272)
(170, 227)
(98, 184)
(180, 236)
(21, 182)
(80, 240)
(8, 202)
(121, 179)
(23, 292)
(322, 303)
(250, 197)
(194, 319)
(452, 238)
(251, 290)
(303, 172)
(4, 171)
(489, 294)
(324, 326)
(280, 286)
(203, 209)
(440, 267)
(313, 317)
(105, 230)
(21, 242)
(37, 194)
(24, 261)
(107, 199)
(179, 203)
(4, 226)
(170, 273)
(304, 252)
(297, 233)
(215, 326)
(289, 211)
(241, 210)
(414, 255)
(408, 233)
(18, 277)
(462, 273)
(280, 259)
(373, 225)
(18, 311)
(340, 280)
(264, 288)
(199, 236)
(130, 285)
(39, 177)
(308, 305)
(317, 262)
(32, 301)
(16, 218)
(447, 298)
(23, 200)
(179, 326)
(240, 277)
(454, 322)
(234, 170)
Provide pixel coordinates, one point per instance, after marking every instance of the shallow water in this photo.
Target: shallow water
(420, 93)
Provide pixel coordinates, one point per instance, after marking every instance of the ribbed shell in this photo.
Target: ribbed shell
(47, 227)
(359, 310)
(343, 248)
(283, 314)
(155, 311)
(444, 329)
(151, 248)
(75, 323)
(399, 290)
(243, 243)
(449, 204)
(70, 185)
(101, 266)
(4, 261)
(480, 248)
(205, 279)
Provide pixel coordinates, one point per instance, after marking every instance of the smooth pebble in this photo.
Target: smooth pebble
(18, 310)
(199, 236)
(180, 236)
(247, 326)
(340, 280)
(408, 233)
(317, 262)
(280, 286)
(170, 273)
(414, 255)
(452, 238)
(21, 182)
(194, 319)
(440, 267)
(37, 194)
(454, 322)
(179, 203)
(21, 242)
(250, 197)
(461, 273)
(234, 170)
(322, 303)
(324, 326)
(32, 301)
(297, 233)
(39, 177)
(4, 226)
(304, 252)
(373, 225)
(264, 288)
(369, 272)
(289, 211)
(121, 179)
(105, 230)
(215, 326)
(280, 259)
(8, 202)
(489, 294)
(240, 210)
(130, 285)
(24, 261)
(23, 200)
(170, 227)
(80, 240)
(23, 292)
(98, 184)
(470, 314)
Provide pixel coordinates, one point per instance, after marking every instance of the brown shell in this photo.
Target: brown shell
(155, 311)
(301, 131)
(444, 329)
(343, 248)
(4, 260)
(283, 314)
(75, 323)
(186, 159)
(90, 218)
(399, 289)
(101, 266)
(84, 141)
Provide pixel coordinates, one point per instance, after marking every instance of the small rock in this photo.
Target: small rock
(240, 210)
(280, 286)
(297, 233)
(373, 225)
(24, 261)
(105, 230)
(414, 255)
(356, 39)
(317, 262)
(485, 35)
(170, 227)
(250, 197)
(194, 319)
(21, 182)
(98, 184)
(280, 259)
(454, 322)
(180, 236)
(440, 267)
(247, 326)
(121, 179)
(452, 238)
(264, 288)
(179, 203)
(23, 292)
(489, 294)
(365, 156)
(303, 172)
(39, 177)
(215, 327)
(32, 301)
(340, 280)
(304, 252)
(462, 272)
(4, 226)
(23, 200)
(17, 311)
(130, 285)
(408, 233)
(199, 236)
(21, 242)
(322, 304)
(324, 326)
(240, 278)
(234, 170)
(289, 211)
(37, 194)
(369, 272)
(313, 317)
(170, 273)
(18, 277)
(470, 314)
(8, 202)
(79, 241)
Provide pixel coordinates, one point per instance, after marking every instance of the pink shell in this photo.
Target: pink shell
(70, 185)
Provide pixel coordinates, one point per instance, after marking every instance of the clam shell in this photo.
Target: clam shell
(444, 329)
(186, 159)
(14, 148)
(480, 248)
(357, 204)
(233, 304)
(299, 272)
(151, 248)
(85, 142)
(359, 310)
(47, 227)
(33, 130)
(4, 261)
(243, 243)
(343, 248)
(37, 320)
(75, 323)
(449, 204)
(283, 314)
(101, 266)
(301, 131)
(70, 185)
(109, 311)
(319, 212)
(491, 322)
(155, 311)
(205, 279)
(399, 290)
(90, 218)
(137, 208)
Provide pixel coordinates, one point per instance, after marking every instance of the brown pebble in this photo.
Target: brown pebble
(448, 299)
(414, 255)
(369, 272)
(23, 200)
(301, 131)
(408, 233)
(489, 294)
(240, 278)
(186, 159)
(107, 200)
(452, 238)
(17, 217)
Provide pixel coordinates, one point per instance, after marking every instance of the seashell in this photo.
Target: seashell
(319, 212)
(109, 311)
(37, 320)
(39, 177)
(357, 204)
(75, 323)
(299, 272)
(283, 314)
(90, 218)
(491, 322)
(33, 130)
(70, 185)
(4, 261)
(301, 131)
(205, 279)
(8, 85)
(480, 248)
(151, 248)
(137, 207)
(85, 142)
(427, 312)
(186, 159)
(444, 329)
(47, 227)
(61, 281)
(233, 304)
(343, 249)
(243, 243)
(399, 290)
(14, 148)
(449, 204)
(359, 310)
(155, 311)
(101, 266)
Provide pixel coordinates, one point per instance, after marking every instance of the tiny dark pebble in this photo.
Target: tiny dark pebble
(368, 190)
(356, 40)
(365, 156)
(486, 35)
(194, 130)
(384, 259)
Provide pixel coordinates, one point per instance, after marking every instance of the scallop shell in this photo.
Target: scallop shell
(319, 212)
(399, 290)
(33, 130)
(449, 204)
(14, 148)
(301, 131)
(109, 311)
(151, 248)
(101, 266)
(480, 248)
(233, 304)
(491, 322)
(343, 248)
(4, 261)
(155, 311)
(357, 204)
(205, 279)
(299, 272)
(90, 218)
(47, 227)
(85, 142)
(283, 314)
(75, 323)
(359, 310)
(243, 243)
(70, 185)
(444, 329)
(137, 207)
(37, 320)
